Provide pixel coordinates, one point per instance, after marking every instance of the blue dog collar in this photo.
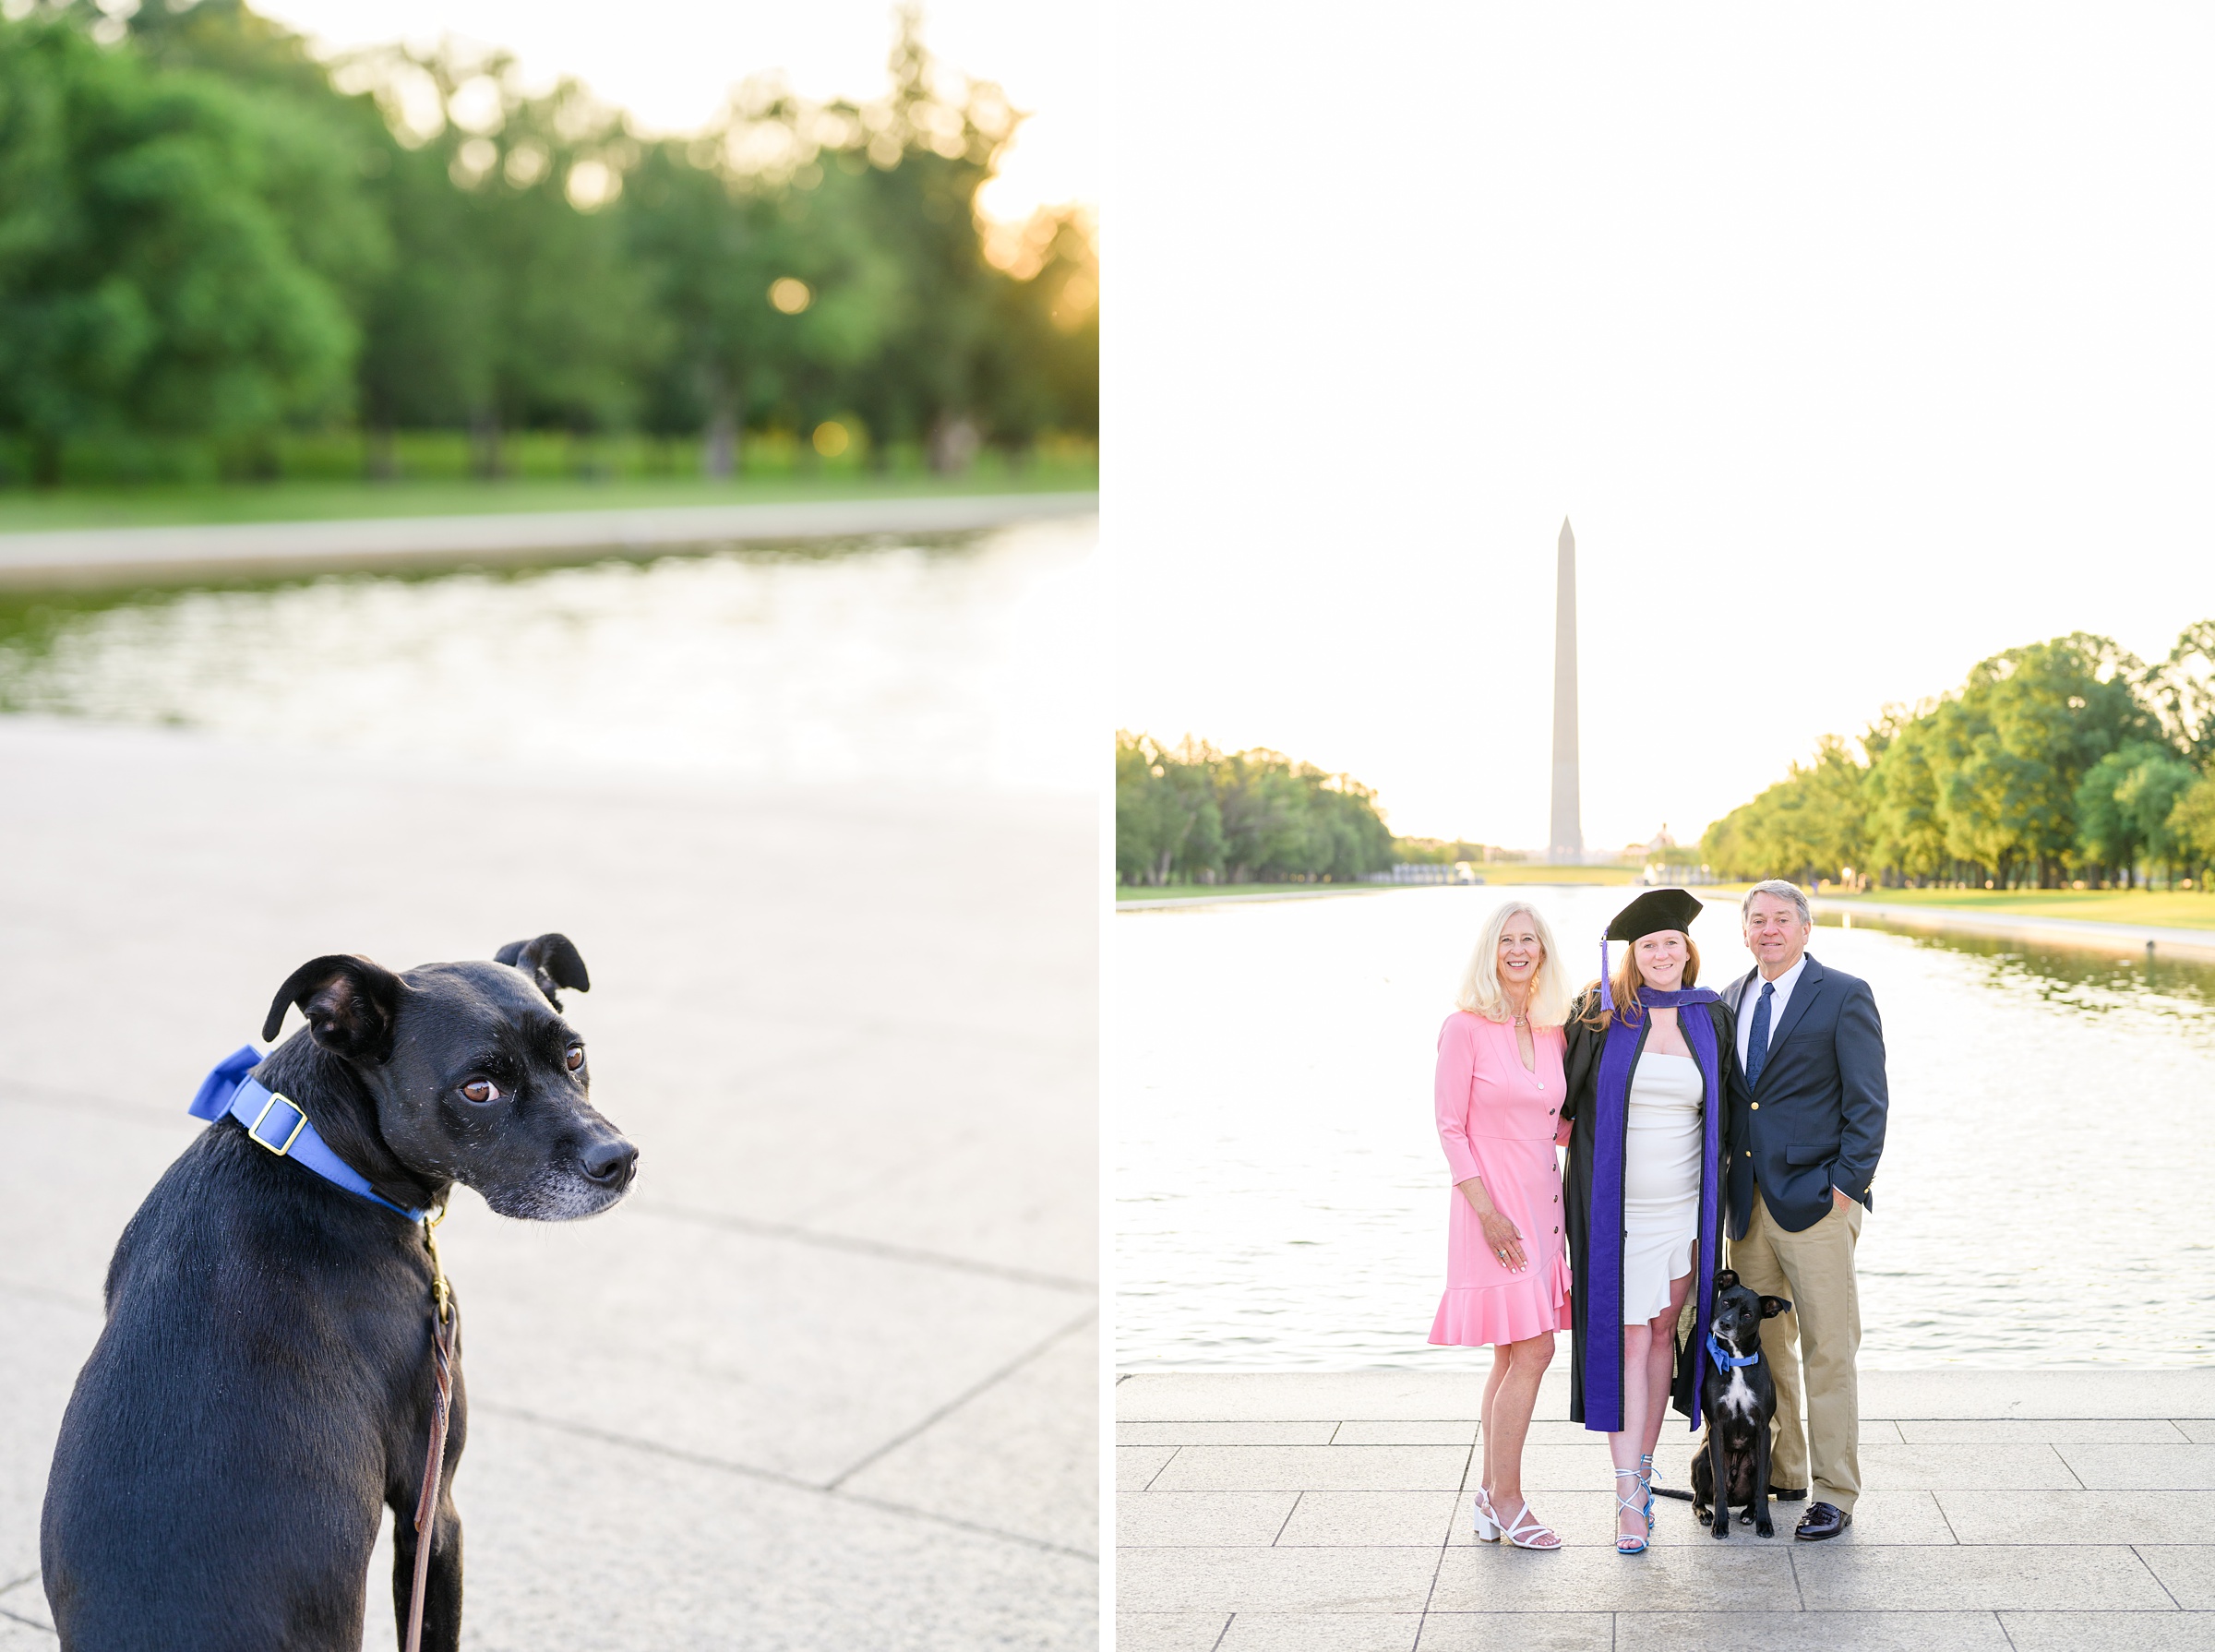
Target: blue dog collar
(279, 1124)
(1725, 1360)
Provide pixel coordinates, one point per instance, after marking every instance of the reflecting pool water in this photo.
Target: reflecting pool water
(1281, 1200)
(963, 660)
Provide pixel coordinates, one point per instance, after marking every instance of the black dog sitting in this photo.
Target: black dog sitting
(1738, 1397)
(264, 1381)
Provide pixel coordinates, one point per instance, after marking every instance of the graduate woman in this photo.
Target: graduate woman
(1650, 1068)
(1498, 1100)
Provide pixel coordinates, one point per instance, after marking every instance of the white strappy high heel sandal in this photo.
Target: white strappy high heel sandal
(1523, 1534)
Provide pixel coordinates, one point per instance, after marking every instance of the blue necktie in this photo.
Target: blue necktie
(1758, 1040)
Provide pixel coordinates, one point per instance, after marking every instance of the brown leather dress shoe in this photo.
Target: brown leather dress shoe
(1822, 1520)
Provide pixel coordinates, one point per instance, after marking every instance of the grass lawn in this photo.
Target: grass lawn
(2180, 909)
(1494, 876)
(1194, 892)
(30, 511)
(2184, 909)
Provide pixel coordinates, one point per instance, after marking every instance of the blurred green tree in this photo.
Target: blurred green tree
(2015, 743)
(1191, 813)
(1166, 821)
(2062, 756)
(2192, 827)
(169, 248)
(207, 234)
(1904, 830)
(2181, 691)
(2111, 827)
(1808, 825)
(513, 300)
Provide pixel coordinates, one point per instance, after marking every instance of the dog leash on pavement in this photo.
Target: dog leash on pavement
(443, 1325)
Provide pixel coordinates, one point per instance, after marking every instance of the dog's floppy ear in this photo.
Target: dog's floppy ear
(1726, 1279)
(351, 1005)
(552, 961)
(1773, 1306)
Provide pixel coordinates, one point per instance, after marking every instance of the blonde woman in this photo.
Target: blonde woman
(1499, 1098)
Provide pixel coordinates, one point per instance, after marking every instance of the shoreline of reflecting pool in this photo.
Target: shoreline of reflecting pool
(962, 660)
(1281, 1199)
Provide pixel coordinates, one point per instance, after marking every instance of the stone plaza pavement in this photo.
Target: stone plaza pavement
(2015, 1511)
(828, 1378)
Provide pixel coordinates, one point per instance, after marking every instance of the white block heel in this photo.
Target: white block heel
(1487, 1523)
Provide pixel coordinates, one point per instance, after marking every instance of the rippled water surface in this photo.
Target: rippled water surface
(1281, 1200)
(967, 660)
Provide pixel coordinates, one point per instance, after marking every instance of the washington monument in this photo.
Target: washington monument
(1565, 837)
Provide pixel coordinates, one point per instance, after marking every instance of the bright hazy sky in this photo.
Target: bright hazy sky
(1858, 343)
(670, 62)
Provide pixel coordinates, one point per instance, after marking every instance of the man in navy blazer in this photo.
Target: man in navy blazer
(1803, 1155)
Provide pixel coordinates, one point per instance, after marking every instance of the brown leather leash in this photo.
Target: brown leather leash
(444, 1323)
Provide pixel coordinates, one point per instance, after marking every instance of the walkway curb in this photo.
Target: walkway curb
(95, 557)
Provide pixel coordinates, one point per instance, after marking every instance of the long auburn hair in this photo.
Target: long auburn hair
(1625, 982)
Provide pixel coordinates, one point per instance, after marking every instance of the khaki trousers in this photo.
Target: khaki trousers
(1814, 1269)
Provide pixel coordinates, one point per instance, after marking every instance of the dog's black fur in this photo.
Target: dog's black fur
(1736, 1405)
(263, 1385)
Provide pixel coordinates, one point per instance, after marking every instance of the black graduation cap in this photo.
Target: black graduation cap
(1656, 909)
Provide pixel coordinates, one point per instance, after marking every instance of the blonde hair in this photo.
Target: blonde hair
(1623, 982)
(1481, 992)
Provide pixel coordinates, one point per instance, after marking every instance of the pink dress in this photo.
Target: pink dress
(1497, 1120)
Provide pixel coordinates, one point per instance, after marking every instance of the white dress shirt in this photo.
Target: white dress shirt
(1751, 1001)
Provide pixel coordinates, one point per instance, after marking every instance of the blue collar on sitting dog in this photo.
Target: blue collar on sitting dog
(279, 1124)
(1725, 1360)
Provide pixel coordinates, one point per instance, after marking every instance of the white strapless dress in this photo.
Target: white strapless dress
(1661, 1182)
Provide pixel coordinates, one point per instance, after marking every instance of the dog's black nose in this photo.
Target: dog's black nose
(611, 1162)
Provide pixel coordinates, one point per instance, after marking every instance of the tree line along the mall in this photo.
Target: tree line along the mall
(2066, 762)
(1191, 814)
(218, 255)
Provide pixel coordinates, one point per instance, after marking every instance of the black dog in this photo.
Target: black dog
(1738, 1397)
(263, 1385)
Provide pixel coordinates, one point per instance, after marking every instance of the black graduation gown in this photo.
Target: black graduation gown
(1581, 1070)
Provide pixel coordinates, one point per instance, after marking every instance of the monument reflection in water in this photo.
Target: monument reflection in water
(1281, 1199)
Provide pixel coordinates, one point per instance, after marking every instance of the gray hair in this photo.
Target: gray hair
(1784, 889)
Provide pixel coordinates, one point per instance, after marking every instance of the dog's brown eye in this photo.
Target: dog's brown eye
(481, 1090)
(576, 1058)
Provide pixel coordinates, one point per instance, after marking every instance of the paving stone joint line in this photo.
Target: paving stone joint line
(2156, 1576)
(1174, 1451)
(1438, 1567)
(959, 1400)
(143, 1113)
(678, 1454)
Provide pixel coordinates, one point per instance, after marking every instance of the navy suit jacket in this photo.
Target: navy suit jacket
(1816, 1118)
